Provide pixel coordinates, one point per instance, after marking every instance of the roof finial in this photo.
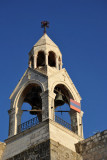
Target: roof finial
(44, 24)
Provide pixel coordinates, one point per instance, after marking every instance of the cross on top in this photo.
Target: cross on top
(44, 24)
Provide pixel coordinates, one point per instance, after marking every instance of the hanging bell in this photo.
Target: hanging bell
(33, 112)
(59, 101)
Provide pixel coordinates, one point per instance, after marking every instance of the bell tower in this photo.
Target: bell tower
(45, 86)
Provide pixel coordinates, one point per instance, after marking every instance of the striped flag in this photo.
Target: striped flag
(75, 105)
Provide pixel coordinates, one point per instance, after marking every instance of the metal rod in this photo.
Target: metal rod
(58, 92)
(62, 111)
(33, 110)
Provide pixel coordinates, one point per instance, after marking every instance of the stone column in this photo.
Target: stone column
(76, 122)
(51, 98)
(35, 61)
(19, 115)
(47, 105)
(60, 63)
(79, 123)
(30, 63)
(46, 58)
(57, 62)
(11, 113)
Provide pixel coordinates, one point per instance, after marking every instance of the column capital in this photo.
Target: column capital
(35, 55)
(46, 52)
(11, 111)
(48, 93)
(81, 113)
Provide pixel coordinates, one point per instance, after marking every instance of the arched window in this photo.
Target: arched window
(51, 59)
(41, 59)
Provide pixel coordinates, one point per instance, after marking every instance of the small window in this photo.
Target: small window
(51, 59)
(41, 59)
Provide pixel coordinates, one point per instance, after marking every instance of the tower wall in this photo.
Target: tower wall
(94, 148)
(60, 152)
(2, 148)
(26, 139)
(47, 150)
(63, 135)
(41, 141)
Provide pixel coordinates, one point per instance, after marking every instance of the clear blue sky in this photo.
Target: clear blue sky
(79, 28)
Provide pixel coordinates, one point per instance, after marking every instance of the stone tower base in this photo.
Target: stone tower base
(48, 150)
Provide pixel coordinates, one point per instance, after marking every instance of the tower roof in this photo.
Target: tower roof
(45, 40)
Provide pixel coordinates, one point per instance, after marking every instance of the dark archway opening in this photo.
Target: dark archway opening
(32, 102)
(26, 116)
(62, 103)
(51, 59)
(41, 59)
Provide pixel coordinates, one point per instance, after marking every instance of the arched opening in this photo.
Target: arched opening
(51, 59)
(41, 59)
(26, 116)
(32, 103)
(62, 103)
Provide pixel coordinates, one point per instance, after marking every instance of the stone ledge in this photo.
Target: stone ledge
(41, 124)
(65, 129)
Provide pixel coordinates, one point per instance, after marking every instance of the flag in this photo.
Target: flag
(75, 105)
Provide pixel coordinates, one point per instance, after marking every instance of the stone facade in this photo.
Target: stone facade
(44, 131)
(24, 140)
(60, 152)
(2, 148)
(93, 148)
(35, 152)
(47, 150)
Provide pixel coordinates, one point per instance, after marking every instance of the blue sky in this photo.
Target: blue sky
(79, 28)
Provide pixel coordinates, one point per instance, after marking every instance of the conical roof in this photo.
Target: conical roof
(45, 40)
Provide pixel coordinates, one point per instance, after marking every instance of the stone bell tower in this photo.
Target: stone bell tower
(45, 85)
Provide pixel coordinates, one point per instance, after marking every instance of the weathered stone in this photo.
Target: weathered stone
(97, 149)
(2, 148)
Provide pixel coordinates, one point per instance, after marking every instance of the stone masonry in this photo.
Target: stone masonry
(60, 152)
(47, 150)
(93, 148)
(35, 152)
(2, 148)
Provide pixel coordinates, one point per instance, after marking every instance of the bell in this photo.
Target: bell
(36, 104)
(59, 100)
(33, 112)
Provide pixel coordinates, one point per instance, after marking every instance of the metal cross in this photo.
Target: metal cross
(44, 24)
